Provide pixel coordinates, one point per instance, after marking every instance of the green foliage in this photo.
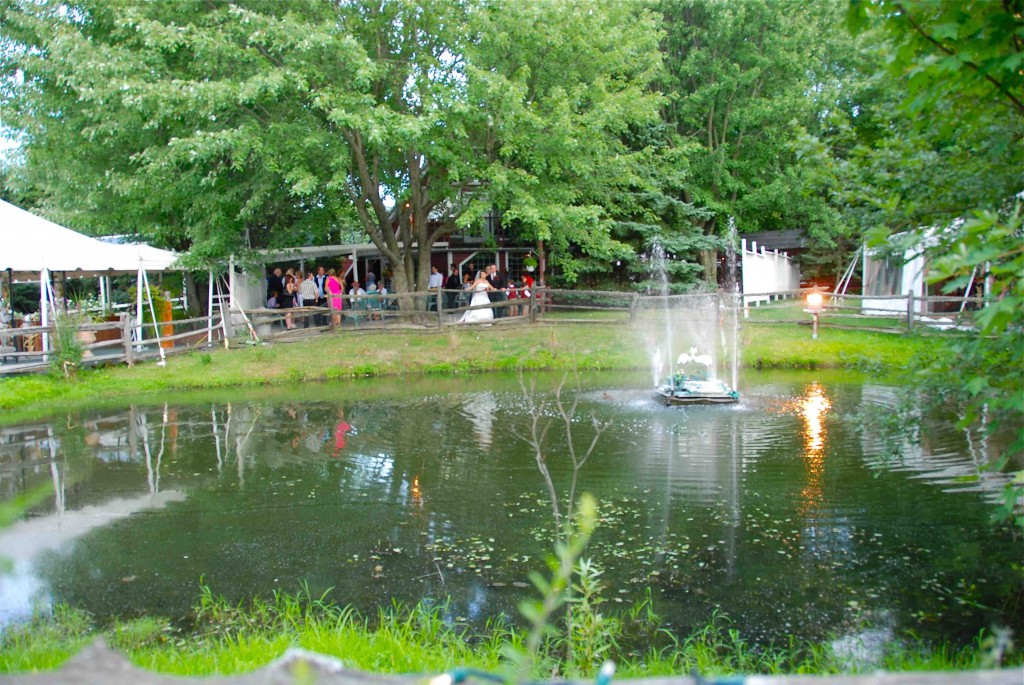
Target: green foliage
(561, 84)
(230, 639)
(983, 374)
(556, 591)
(67, 349)
(222, 128)
(590, 636)
(45, 642)
(742, 80)
(935, 126)
(934, 163)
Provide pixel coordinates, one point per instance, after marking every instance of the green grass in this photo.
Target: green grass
(545, 346)
(226, 639)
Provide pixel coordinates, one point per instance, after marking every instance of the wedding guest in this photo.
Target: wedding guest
(286, 300)
(274, 282)
(334, 291)
(499, 292)
(310, 295)
(453, 285)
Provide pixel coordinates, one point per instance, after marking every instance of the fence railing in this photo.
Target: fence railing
(27, 348)
(886, 313)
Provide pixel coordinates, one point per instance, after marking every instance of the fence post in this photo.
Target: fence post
(910, 310)
(440, 307)
(126, 337)
(632, 305)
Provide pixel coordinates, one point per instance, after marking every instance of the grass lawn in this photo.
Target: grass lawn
(352, 354)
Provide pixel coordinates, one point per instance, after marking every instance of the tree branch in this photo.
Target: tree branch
(1017, 103)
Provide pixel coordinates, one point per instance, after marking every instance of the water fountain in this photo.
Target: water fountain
(696, 334)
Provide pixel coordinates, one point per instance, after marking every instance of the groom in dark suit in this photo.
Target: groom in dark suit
(499, 294)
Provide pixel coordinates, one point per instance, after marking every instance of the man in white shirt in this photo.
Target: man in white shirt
(434, 284)
(309, 294)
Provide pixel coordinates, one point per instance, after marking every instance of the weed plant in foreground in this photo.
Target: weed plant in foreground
(225, 639)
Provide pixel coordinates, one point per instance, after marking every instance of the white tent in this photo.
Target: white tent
(29, 244)
(32, 247)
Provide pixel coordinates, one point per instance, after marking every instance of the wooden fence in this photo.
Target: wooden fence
(26, 349)
(894, 314)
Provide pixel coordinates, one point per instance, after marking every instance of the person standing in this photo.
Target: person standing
(310, 295)
(286, 300)
(453, 285)
(321, 299)
(274, 282)
(498, 294)
(434, 285)
(334, 290)
(480, 288)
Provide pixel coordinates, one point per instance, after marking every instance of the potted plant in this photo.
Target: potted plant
(530, 261)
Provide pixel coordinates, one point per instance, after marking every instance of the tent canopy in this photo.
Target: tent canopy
(29, 244)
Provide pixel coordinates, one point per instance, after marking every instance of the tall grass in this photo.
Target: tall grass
(225, 638)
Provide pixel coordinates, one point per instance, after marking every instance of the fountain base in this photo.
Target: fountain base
(688, 390)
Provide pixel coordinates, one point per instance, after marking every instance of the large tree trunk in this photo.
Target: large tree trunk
(196, 305)
(709, 260)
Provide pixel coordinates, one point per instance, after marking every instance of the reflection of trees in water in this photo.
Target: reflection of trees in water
(955, 460)
(413, 477)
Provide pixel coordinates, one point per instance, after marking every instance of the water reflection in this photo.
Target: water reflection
(421, 497)
(813, 408)
(480, 408)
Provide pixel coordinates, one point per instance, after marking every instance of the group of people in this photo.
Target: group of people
(487, 288)
(323, 288)
(288, 289)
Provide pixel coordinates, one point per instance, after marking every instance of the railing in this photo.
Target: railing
(121, 341)
(877, 313)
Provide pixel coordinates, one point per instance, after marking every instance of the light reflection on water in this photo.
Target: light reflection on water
(772, 511)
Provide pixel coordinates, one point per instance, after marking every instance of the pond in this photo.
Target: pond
(783, 512)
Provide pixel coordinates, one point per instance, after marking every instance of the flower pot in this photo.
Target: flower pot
(530, 268)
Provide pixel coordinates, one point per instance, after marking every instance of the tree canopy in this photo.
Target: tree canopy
(223, 127)
(594, 128)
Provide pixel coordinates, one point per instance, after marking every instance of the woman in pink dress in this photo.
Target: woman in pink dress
(333, 286)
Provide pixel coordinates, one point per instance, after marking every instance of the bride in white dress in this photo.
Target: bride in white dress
(479, 289)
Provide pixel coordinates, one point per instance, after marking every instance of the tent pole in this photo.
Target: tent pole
(967, 290)
(156, 328)
(138, 309)
(209, 312)
(223, 316)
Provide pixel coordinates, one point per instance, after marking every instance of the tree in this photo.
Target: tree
(942, 171)
(222, 127)
(561, 84)
(175, 120)
(744, 80)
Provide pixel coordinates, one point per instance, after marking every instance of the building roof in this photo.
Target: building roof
(788, 241)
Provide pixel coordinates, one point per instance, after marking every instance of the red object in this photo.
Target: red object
(340, 430)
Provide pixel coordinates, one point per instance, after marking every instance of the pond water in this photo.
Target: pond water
(781, 512)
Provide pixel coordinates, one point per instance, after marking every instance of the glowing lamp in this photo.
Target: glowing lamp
(814, 302)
